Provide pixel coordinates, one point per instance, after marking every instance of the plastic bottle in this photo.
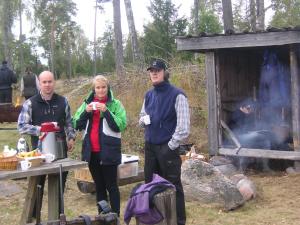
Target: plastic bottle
(22, 145)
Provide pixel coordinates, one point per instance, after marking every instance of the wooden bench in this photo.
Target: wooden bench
(88, 186)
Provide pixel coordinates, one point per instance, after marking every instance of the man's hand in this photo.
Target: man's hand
(246, 109)
(71, 144)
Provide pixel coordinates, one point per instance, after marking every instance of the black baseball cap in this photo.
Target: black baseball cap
(157, 64)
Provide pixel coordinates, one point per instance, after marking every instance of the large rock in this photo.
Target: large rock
(203, 182)
(225, 165)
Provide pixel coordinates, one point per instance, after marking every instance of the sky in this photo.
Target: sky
(86, 14)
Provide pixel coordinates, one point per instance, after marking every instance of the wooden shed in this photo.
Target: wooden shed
(234, 71)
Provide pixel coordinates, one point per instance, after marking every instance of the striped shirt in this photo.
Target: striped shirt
(25, 122)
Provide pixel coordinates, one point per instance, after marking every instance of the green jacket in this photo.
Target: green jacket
(112, 123)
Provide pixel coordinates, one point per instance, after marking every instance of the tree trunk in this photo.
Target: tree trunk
(260, 8)
(21, 39)
(69, 64)
(95, 39)
(252, 15)
(118, 38)
(196, 17)
(227, 15)
(52, 41)
(137, 59)
(7, 34)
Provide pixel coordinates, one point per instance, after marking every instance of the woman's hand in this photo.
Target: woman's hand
(89, 107)
(98, 106)
(101, 107)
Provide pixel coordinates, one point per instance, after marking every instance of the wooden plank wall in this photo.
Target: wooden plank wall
(239, 77)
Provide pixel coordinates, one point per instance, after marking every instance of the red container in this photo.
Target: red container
(49, 127)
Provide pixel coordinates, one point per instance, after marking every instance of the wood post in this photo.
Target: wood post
(30, 197)
(295, 81)
(212, 103)
(53, 190)
(165, 202)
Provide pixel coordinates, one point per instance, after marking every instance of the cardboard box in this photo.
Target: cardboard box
(128, 168)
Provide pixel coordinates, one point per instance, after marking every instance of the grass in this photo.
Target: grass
(278, 199)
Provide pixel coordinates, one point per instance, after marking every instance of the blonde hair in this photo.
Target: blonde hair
(100, 78)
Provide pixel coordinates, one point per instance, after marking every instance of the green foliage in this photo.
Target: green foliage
(240, 17)
(8, 12)
(105, 51)
(209, 23)
(208, 17)
(56, 27)
(159, 38)
(287, 13)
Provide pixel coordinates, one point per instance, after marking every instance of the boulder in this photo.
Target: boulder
(224, 164)
(205, 183)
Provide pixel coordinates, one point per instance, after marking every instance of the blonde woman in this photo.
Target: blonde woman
(103, 118)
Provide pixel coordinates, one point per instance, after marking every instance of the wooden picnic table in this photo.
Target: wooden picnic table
(34, 174)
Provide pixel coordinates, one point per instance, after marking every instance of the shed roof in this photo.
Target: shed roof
(271, 37)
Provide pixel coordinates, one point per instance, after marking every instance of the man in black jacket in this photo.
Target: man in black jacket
(7, 78)
(47, 106)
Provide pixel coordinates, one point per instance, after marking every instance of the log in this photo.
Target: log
(130, 180)
(103, 219)
(89, 187)
(165, 202)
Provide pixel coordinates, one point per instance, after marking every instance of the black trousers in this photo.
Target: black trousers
(160, 159)
(42, 183)
(105, 178)
(6, 95)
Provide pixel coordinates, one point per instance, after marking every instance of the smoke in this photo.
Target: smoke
(268, 124)
(274, 90)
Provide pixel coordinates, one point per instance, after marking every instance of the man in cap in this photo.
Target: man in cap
(7, 78)
(166, 119)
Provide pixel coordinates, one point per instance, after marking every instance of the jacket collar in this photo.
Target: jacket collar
(91, 95)
(40, 98)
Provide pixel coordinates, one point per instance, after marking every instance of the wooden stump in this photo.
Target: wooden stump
(165, 202)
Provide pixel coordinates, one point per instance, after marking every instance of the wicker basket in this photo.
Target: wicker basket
(8, 163)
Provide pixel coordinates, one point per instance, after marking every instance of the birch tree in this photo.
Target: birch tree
(253, 15)
(118, 38)
(137, 58)
(7, 13)
(227, 15)
(260, 15)
(196, 17)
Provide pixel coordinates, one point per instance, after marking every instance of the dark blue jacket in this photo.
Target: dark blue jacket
(160, 106)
